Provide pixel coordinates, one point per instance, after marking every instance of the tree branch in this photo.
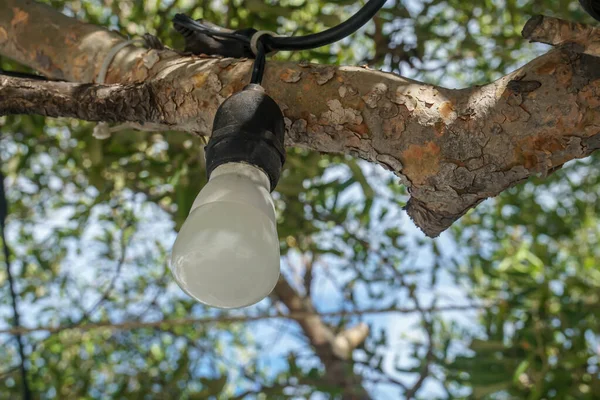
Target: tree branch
(13, 292)
(339, 373)
(427, 325)
(429, 356)
(230, 319)
(110, 103)
(558, 32)
(124, 243)
(451, 148)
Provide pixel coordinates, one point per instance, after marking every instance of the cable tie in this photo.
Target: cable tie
(102, 130)
(108, 59)
(256, 37)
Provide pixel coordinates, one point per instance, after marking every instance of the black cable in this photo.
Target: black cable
(11, 286)
(258, 68)
(328, 36)
(210, 30)
(592, 7)
(212, 39)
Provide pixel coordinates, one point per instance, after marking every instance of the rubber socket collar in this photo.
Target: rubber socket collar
(248, 127)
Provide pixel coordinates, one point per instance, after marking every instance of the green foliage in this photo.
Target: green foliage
(540, 267)
(91, 223)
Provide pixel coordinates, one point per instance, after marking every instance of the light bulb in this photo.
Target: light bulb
(227, 252)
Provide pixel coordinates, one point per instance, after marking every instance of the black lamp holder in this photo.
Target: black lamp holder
(249, 125)
(248, 128)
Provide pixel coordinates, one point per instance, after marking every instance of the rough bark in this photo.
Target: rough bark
(112, 103)
(452, 148)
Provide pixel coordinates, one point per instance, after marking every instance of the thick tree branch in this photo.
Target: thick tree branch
(110, 103)
(452, 148)
(558, 32)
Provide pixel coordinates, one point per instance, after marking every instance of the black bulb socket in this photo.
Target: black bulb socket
(249, 128)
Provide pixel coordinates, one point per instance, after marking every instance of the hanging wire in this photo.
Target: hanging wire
(328, 36)
(258, 69)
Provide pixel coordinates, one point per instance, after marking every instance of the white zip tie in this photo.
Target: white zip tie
(111, 55)
(102, 130)
(254, 41)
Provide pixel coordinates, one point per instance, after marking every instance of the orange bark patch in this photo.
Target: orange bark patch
(19, 18)
(446, 109)
(547, 68)
(564, 75)
(362, 129)
(227, 91)
(352, 142)
(547, 144)
(199, 79)
(529, 160)
(567, 122)
(439, 129)
(290, 76)
(589, 95)
(71, 38)
(232, 87)
(421, 162)
(80, 63)
(529, 149)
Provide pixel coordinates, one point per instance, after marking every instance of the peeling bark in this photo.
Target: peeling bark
(452, 148)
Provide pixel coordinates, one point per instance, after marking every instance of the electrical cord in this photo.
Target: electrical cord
(209, 30)
(275, 43)
(258, 69)
(268, 43)
(328, 36)
(592, 7)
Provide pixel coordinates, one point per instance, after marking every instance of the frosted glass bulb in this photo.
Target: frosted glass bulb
(226, 254)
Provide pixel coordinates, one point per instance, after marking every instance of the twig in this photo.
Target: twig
(10, 371)
(382, 377)
(130, 325)
(13, 292)
(428, 325)
(429, 357)
(309, 262)
(111, 285)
